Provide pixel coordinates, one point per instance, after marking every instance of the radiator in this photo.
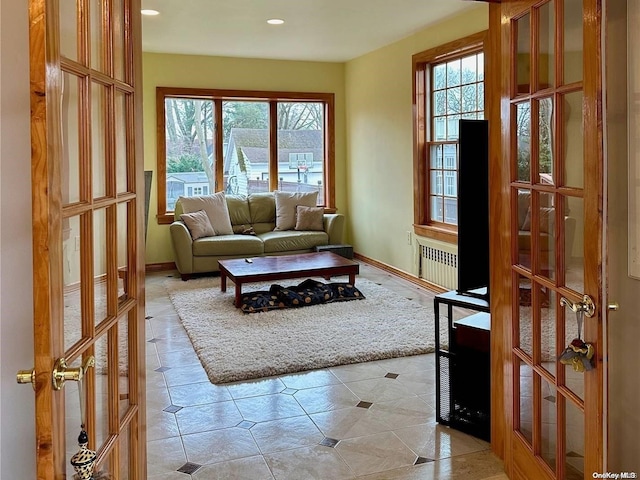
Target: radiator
(438, 262)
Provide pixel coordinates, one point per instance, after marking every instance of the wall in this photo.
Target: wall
(165, 70)
(17, 445)
(380, 140)
(624, 325)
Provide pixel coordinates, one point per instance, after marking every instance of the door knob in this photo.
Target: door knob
(62, 373)
(27, 376)
(586, 306)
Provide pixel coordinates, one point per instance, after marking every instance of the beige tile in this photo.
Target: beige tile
(213, 416)
(219, 446)
(155, 380)
(424, 471)
(173, 344)
(375, 453)
(269, 407)
(404, 412)
(253, 388)
(310, 379)
(379, 389)
(358, 371)
(157, 399)
(165, 456)
(474, 466)
(250, 468)
(348, 423)
(168, 476)
(198, 394)
(180, 358)
(185, 375)
(286, 434)
(324, 399)
(161, 425)
(309, 463)
(436, 441)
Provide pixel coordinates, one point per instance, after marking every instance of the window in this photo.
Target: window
(449, 86)
(243, 142)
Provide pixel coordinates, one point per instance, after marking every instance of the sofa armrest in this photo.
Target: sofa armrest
(334, 226)
(182, 247)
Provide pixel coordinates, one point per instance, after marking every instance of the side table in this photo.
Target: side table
(463, 370)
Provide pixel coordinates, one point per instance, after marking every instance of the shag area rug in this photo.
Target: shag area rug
(234, 346)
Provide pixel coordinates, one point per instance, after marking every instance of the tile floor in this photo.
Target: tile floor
(373, 420)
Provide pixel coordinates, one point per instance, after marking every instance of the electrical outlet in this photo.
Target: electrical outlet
(408, 237)
(77, 244)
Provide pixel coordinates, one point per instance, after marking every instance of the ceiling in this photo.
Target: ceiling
(318, 30)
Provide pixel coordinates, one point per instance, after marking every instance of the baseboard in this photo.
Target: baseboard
(400, 273)
(160, 267)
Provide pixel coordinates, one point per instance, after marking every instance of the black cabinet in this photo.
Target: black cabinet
(463, 367)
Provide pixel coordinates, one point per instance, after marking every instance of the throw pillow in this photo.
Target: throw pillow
(198, 224)
(286, 203)
(309, 218)
(216, 208)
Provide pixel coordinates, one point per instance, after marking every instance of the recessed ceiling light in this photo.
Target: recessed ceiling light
(275, 21)
(150, 12)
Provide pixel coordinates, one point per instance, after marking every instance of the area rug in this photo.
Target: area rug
(234, 346)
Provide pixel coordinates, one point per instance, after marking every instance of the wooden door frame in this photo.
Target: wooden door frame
(498, 105)
(47, 202)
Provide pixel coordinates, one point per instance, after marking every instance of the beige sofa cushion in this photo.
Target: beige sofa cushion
(290, 241)
(238, 206)
(198, 224)
(286, 203)
(216, 207)
(245, 245)
(309, 218)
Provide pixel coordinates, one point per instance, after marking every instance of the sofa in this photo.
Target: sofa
(254, 233)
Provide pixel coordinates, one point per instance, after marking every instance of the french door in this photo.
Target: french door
(552, 151)
(88, 248)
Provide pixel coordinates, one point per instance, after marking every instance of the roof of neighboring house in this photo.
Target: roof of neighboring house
(188, 177)
(251, 144)
(256, 155)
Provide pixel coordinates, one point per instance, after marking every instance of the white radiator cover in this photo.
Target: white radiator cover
(437, 262)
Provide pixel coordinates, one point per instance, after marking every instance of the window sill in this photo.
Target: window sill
(166, 219)
(437, 233)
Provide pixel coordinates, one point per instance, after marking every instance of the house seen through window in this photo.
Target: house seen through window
(223, 142)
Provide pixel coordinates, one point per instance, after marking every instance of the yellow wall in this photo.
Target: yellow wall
(165, 70)
(380, 140)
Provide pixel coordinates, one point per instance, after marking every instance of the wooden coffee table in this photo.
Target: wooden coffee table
(324, 264)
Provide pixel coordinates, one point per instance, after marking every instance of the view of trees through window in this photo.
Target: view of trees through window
(457, 92)
(191, 154)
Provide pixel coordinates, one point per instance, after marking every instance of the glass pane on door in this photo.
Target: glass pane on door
(546, 141)
(68, 18)
(525, 390)
(549, 420)
(71, 128)
(96, 39)
(71, 253)
(548, 327)
(100, 264)
(574, 434)
(572, 137)
(523, 142)
(546, 53)
(523, 54)
(99, 139)
(573, 43)
(574, 243)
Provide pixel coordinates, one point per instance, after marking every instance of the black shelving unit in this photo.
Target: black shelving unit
(463, 372)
